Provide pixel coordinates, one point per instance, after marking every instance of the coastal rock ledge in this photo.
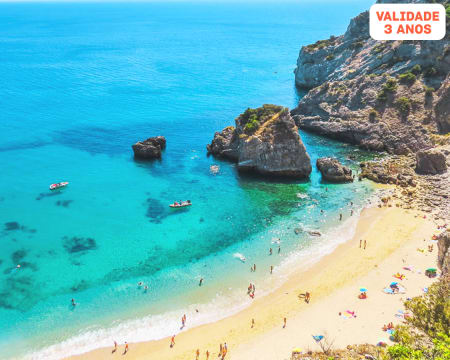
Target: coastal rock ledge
(266, 141)
(333, 171)
(150, 148)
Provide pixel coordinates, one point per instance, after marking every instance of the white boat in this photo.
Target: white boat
(239, 256)
(58, 185)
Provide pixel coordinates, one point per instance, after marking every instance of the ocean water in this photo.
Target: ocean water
(80, 83)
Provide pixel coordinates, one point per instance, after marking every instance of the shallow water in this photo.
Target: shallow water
(80, 84)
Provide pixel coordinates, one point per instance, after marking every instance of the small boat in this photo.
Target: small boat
(181, 204)
(58, 185)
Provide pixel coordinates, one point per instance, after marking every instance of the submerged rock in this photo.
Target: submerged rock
(431, 161)
(333, 171)
(150, 148)
(266, 141)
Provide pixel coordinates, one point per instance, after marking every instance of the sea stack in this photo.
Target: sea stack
(150, 148)
(265, 141)
(333, 171)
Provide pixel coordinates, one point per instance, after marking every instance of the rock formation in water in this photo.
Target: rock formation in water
(266, 141)
(150, 148)
(431, 161)
(333, 171)
(389, 96)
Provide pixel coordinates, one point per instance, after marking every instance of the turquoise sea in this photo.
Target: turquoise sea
(80, 83)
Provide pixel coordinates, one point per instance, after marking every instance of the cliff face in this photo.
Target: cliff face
(444, 252)
(266, 141)
(382, 95)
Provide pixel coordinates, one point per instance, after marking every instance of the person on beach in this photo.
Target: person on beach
(254, 267)
(307, 297)
(207, 354)
(365, 243)
(183, 321)
(284, 322)
(220, 350)
(126, 348)
(201, 282)
(197, 354)
(351, 212)
(360, 243)
(253, 323)
(271, 269)
(115, 347)
(340, 217)
(172, 341)
(249, 289)
(270, 251)
(253, 288)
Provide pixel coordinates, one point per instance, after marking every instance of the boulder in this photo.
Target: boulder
(431, 161)
(265, 141)
(150, 148)
(333, 171)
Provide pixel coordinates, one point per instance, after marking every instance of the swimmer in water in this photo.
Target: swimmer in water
(74, 303)
(140, 283)
(145, 288)
(270, 251)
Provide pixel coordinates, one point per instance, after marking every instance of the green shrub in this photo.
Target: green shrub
(390, 85)
(416, 69)
(403, 105)
(357, 45)
(428, 90)
(430, 71)
(329, 57)
(251, 119)
(407, 78)
(373, 115)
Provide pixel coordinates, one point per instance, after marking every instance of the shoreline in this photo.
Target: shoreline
(332, 273)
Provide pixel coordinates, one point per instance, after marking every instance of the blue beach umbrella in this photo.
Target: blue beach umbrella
(317, 337)
(363, 289)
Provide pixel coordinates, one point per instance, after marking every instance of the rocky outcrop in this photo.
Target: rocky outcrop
(225, 144)
(266, 141)
(388, 96)
(431, 161)
(444, 252)
(150, 148)
(333, 171)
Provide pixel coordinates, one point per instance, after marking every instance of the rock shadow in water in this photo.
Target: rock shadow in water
(63, 203)
(48, 194)
(76, 245)
(15, 226)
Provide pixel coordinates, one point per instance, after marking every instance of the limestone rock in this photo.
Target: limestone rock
(444, 252)
(430, 161)
(333, 171)
(150, 148)
(266, 141)
(388, 96)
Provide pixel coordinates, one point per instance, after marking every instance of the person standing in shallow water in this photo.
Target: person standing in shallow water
(340, 217)
(201, 282)
(271, 269)
(270, 251)
(172, 341)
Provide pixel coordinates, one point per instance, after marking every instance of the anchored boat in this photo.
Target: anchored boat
(58, 185)
(181, 204)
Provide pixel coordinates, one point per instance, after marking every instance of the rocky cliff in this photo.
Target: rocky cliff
(444, 252)
(381, 95)
(265, 140)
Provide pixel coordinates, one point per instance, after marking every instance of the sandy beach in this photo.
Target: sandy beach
(393, 236)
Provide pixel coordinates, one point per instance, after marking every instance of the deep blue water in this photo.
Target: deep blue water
(79, 84)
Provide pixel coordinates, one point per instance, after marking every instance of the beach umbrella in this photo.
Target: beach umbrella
(297, 351)
(394, 283)
(363, 289)
(317, 337)
(431, 269)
